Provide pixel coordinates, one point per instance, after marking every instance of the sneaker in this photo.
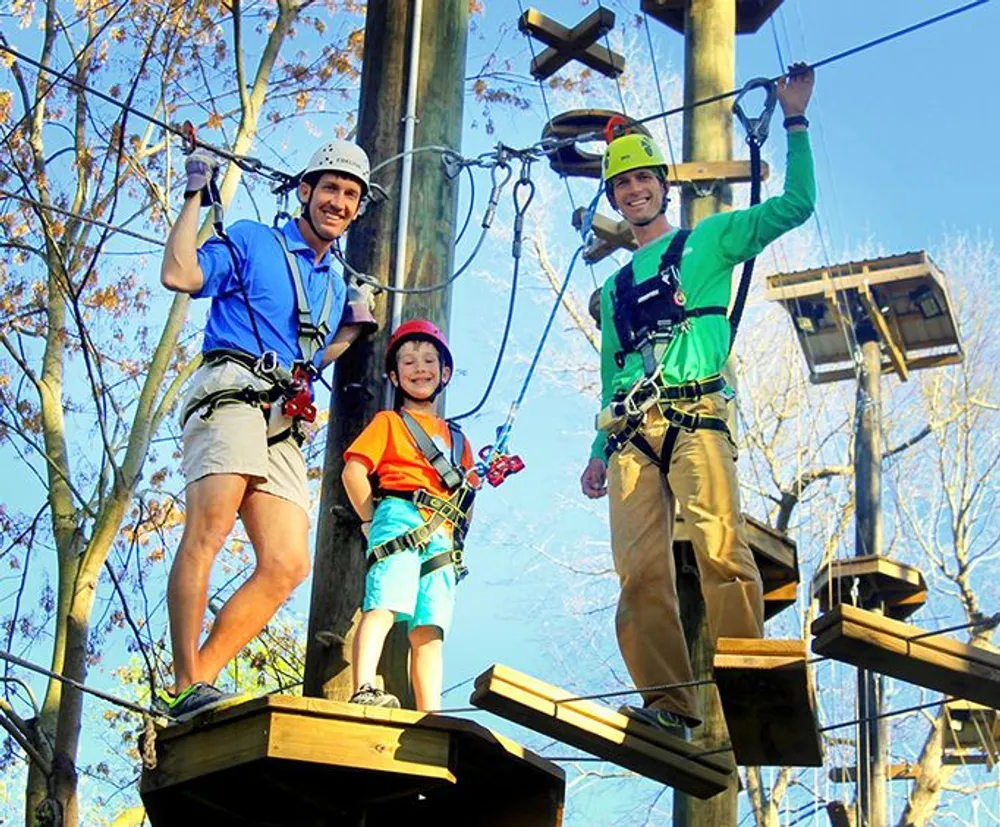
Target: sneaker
(369, 695)
(197, 698)
(662, 719)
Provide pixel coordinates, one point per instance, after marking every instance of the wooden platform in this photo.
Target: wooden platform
(973, 735)
(306, 762)
(888, 646)
(880, 581)
(767, 698)
(600, 731)
(905, 297)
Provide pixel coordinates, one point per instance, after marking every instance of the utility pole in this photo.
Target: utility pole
(339, 570)
(709, 69)
(871, 759)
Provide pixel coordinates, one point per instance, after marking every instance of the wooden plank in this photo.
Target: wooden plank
(893, 348)
(921, 363)
(813, 288)
(399, 750)
(897, 649)
(600, 731)
(710, 172)
(881, 581)
(778, 599)
(894, 772)
(767, 698)
(187, 753)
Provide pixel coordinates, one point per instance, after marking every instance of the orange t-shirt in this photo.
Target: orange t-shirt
(387, 449)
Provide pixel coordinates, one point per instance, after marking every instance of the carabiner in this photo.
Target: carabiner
(757, 128)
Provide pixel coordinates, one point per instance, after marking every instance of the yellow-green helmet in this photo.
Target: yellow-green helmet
(629, 152)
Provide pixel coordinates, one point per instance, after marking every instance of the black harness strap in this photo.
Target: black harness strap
(447, 469)
(453, 509)
(743, 290)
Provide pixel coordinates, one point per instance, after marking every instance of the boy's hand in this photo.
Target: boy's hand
(795, 89)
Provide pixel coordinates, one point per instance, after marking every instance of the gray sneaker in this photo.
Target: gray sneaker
(661, 719)
(368, 695)
(197, 698)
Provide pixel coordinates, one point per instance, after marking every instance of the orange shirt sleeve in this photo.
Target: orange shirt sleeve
(371, 444)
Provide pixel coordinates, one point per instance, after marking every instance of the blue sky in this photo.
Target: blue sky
(905, 140)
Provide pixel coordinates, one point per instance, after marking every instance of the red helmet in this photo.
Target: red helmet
(420, 330)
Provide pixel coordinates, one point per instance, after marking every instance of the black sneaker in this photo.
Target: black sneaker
(369, 695)
(662, 719)
(197, 698)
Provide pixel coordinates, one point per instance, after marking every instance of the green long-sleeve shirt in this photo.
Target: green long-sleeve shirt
(715, 246)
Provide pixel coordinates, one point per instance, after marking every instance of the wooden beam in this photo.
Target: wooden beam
(767, 697)
(894, 772)
(600, 731)
(902, 651)
(713, 172)
(800, 290)
(936, 361)
(578, 43)
(894, 349)
(609, 236)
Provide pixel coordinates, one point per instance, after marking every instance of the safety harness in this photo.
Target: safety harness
(453, 509)
(292, 388)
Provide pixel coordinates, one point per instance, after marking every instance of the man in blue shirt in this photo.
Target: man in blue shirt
(278, 315)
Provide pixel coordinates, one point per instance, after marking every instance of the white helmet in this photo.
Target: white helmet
(344, 157)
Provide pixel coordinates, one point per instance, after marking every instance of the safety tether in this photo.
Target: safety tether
(757, 130)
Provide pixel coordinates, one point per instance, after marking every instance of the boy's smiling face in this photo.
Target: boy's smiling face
(418, 370)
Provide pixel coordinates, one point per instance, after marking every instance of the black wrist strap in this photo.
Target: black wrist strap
(796, 120)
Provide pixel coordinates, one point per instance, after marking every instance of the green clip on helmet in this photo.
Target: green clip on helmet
(629, 152)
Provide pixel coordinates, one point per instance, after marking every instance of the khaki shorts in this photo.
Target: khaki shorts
(233, 440)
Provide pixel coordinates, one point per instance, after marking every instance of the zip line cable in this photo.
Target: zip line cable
(244, 162)
(97, 223)
(549, 146)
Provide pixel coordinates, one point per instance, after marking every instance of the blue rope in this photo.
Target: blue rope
(503, 432)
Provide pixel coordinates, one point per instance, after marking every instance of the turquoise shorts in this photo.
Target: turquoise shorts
(394, 583)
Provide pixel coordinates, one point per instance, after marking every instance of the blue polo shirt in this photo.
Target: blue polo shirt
(269, 287)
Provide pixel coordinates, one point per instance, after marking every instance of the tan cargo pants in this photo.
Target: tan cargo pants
(702, 481)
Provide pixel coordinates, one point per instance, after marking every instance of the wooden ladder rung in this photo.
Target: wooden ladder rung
(600, 731)
(902, 651)
(767, 698)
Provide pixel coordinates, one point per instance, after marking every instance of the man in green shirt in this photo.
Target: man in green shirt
(663, 441)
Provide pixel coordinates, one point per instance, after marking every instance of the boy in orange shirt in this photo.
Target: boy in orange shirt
(414, 520)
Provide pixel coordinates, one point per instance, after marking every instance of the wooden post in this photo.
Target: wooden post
(709, 69)
(871, 772)
(339, 571)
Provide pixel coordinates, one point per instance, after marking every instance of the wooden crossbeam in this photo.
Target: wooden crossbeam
(578, 43)
(600, 731)
(894, 772)
(902, 651)
(893, 346)
(938, 360)
(609, 235)
(767, 698)
(836, 811)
